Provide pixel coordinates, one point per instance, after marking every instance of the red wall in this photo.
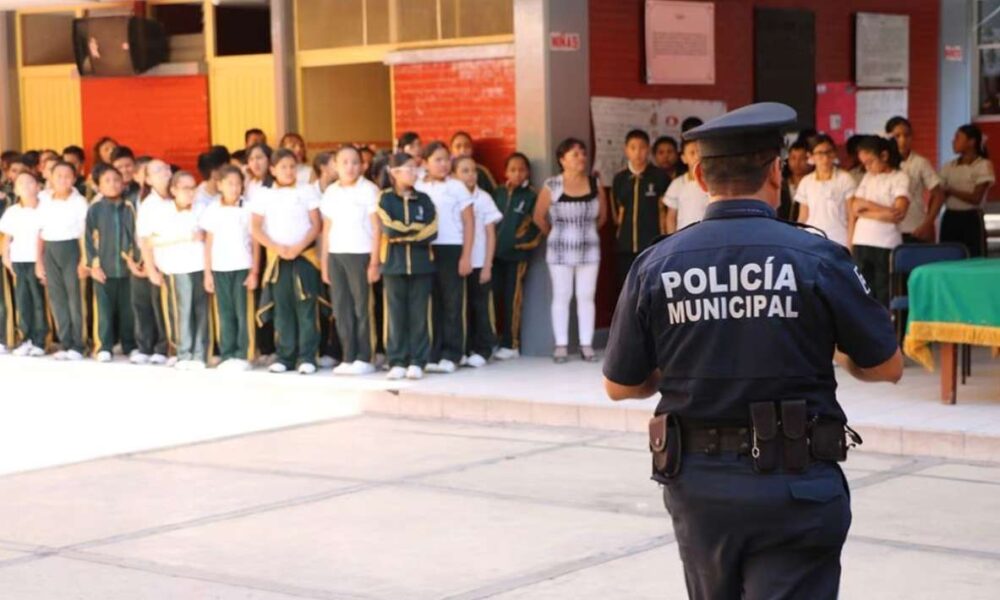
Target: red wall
(166, 117)
(438, 99)
(616, 53)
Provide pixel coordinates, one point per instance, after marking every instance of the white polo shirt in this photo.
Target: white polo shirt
(182, 254)
(965, 178)
(923, 178)
(883, 189)
(686, 197)
(486, 213)
(349, 209)
(21, 225)
(303, 173)
(232, 246)
(450, 198)
(62, 220)
(827, 202)
(285, 211)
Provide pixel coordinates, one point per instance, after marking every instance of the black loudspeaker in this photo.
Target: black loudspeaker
(118, 46)
(785, 60)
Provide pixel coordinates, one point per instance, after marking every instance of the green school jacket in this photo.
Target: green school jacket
(110, 235)
(637, 201)
(409, 225)
(517, 234)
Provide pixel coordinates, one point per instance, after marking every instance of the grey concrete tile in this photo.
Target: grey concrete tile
(393, 542)
(923, 510)
(109, 497)
(606, 479)
(877, 571)
(988, 473)
(369, 448)
(57, 578)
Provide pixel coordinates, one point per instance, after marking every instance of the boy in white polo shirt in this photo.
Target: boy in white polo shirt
(20, 226)
(286, 222)
(350, 260)
(686, 201)
(230, 270)
(147, 301)
(919, 223)
(179, 251)
(878, 206)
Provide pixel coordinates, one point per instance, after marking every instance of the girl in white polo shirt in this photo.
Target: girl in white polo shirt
(452, 256)
(286, 222)
(350, 260)
(179, 251)
(878, 207)
(482, 329)
(823, 195)
(62, 212)
(230, 270)
(685, 200)
(967, 180)
(20, 225)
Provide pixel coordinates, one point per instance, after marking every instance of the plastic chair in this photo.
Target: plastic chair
(903, 260)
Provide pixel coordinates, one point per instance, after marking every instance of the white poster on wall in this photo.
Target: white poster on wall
(875, 107)
(882, 50)
(680, 42)
(614, 117)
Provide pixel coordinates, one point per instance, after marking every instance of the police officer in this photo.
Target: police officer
(735, 321)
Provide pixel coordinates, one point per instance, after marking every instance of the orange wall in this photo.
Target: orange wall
(166, 117)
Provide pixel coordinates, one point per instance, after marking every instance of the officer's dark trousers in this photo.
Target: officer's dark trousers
(30, 302)
(233, 304)
(186, 310)
(482, 329)
(965, 227)
(407, 339)
(65, 292)
(112, 314)
(353, 305)
(7, 309)
(296, 328)
(756, 537)
(874, 265)
(448, 306)
(147, 312)
(508, 291)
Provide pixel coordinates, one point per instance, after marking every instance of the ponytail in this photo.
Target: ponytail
(878, 146)
(975, 134)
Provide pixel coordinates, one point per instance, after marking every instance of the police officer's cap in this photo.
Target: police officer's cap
(745, 130)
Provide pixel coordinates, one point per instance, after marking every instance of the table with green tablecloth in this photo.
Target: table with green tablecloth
(952, 303)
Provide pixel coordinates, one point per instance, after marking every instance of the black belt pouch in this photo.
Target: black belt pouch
(764, 418)
(793, 426)
(665, 444)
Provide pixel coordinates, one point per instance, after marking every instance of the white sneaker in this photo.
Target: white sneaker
(432, 367)
(103, 356)
(414, 372)
(326, 362)
(476, 360)
(464, 361)
(344, 369)
(182, 365)
(239, 364)
(157, 359)
(277, 368)
(506, 354)
(196, 365)
(396, 373)
(446, 366)
(171, 362)
(138, 358)
(360, 367)
(73, 355)
(307, 369)
(35, 351)
(21, 350)
(60, 355)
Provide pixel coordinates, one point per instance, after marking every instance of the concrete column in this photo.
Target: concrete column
(955, 85)
(553, 103)
(283, 50)
(10, 130)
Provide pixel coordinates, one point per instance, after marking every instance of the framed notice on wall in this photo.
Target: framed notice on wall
(680, 42)
(882, 50)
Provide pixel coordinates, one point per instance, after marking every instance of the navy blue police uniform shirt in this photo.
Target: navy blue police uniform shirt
(742, 308)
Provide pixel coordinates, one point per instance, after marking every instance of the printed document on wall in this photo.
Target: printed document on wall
(680, 42)
(875, 107)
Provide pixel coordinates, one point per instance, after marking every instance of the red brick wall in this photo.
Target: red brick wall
(617, 68)
(438, 99)
(166, 117)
